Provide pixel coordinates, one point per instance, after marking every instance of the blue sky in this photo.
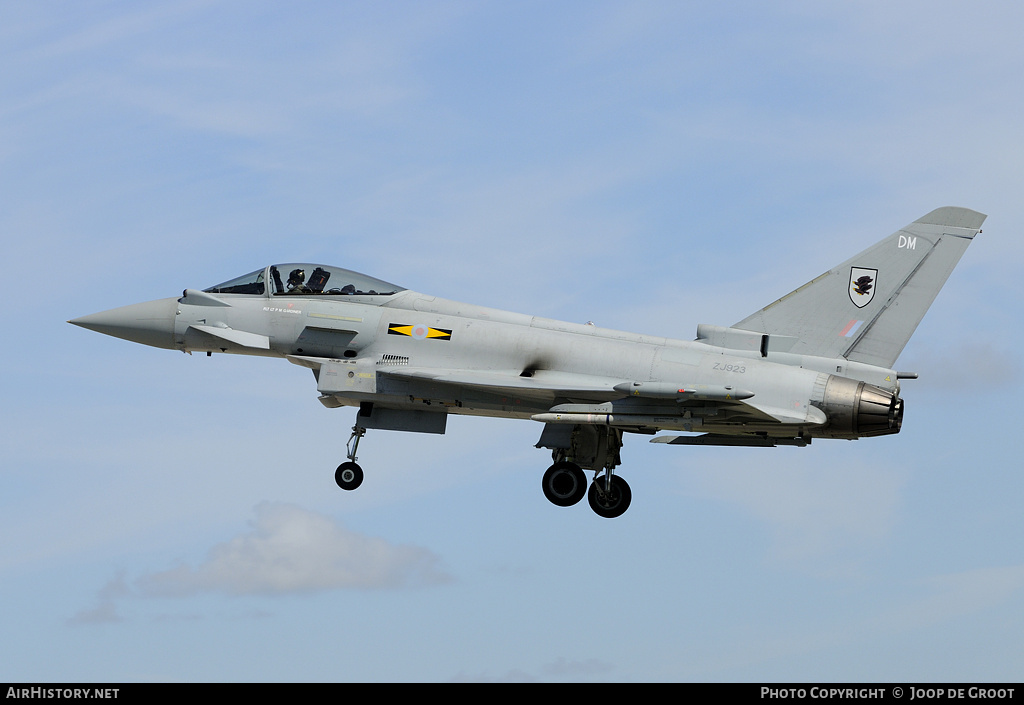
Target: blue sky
(648, 166)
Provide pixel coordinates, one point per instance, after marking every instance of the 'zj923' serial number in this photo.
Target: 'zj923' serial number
(730, 368)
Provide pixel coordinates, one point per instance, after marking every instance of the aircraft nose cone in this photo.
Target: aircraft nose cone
(150, 323)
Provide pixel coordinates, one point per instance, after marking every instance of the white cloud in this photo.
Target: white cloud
(291, 549)
(105, 611)
(571, 668)
(559, 669)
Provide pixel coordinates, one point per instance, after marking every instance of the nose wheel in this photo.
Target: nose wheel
(348, 476)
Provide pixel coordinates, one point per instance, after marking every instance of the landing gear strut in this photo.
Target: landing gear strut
(578, 447)
(349, 475)
(609, 496)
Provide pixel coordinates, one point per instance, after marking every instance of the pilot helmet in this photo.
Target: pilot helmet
(296, 277)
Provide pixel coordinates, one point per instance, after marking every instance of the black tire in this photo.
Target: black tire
(348, 476)
(612, 503)
(564, 484)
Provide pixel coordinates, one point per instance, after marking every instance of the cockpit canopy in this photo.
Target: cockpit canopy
(306, 280)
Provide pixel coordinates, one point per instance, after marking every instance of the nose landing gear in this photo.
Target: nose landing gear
(349, 475)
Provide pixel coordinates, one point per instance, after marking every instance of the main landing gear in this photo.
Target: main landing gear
(574, 449)
(564, 485)
(595, 448)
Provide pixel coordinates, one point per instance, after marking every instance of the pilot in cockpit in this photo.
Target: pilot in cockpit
(296, 282)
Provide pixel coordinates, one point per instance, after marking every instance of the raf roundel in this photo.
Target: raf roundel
(419, 331)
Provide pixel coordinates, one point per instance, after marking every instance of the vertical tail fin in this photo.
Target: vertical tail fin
(867, 308)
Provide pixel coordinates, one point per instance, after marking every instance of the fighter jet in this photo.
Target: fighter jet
(817, 363)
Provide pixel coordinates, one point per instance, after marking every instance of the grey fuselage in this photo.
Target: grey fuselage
(416, 352)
